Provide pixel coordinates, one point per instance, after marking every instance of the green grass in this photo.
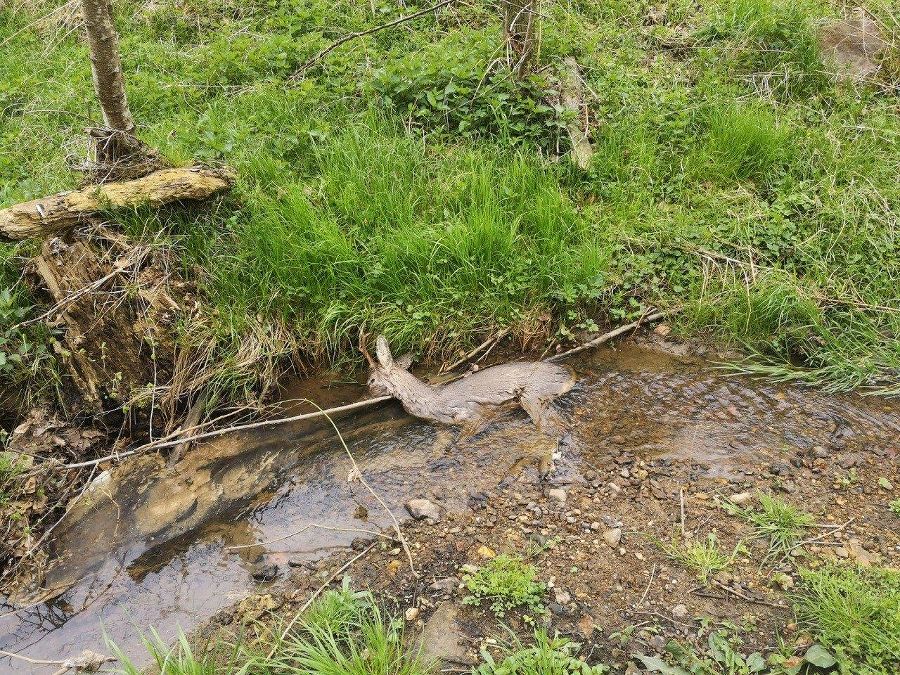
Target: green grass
(894, 506)
(780, 523)
(505, 583)
(548, 656)
(342, 633)
(855, 614)
(408, 184)
(703, 558)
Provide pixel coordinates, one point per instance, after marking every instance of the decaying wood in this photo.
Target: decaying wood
(50, 215)
(572, 93)
(116, 340)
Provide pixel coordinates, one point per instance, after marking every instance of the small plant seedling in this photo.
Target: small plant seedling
(506, 582)
(782, 524)
(703, 558)
(894, 506)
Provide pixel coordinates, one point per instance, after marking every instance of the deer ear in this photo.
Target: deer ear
(404, 361)
(383, 352)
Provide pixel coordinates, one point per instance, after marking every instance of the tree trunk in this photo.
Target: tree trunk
(522, 34)
(117, 140)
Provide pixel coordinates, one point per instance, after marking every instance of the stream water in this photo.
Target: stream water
(154, 547)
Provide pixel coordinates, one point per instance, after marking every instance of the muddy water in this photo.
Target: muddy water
(154, 547)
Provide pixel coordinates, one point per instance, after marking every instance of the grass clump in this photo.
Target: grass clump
(854, 613)
(780, 523)
(548, 656)
(342, 633)
(506, 582)
(703, 558)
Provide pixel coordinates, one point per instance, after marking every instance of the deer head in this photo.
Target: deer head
(384, 369)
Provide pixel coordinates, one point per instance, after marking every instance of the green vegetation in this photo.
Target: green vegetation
(703, 558)
(894, 506)
(406, 181)
(722, 655)
(506, 582)
(548, 656)
(11, 467)
(782, 524)
(342, 633)
(854, 613)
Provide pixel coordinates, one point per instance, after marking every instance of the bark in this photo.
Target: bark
(521, 32)
(41, 217)
(109, 84)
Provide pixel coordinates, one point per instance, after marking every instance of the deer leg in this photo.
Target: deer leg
(546, 423)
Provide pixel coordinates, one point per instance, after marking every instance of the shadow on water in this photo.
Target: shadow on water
(151, 546)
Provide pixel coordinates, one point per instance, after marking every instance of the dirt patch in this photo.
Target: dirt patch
(854, 45)
(602, 538)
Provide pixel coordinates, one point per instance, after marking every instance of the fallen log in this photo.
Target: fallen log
(49, 215)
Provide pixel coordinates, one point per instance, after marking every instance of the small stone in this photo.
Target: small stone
(558, 494)
(679, 611)
(420, 509)
(447, 585)
(625, 473)
(264, 573)
(741, 498)
(841, 552)
(562, 597)
(613, 536)
(412, 614)
(486, 552)
(615, 489)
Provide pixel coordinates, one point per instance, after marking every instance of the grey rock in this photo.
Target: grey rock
(442, 639)
(420, 509)
(558, 494)
(264, 573)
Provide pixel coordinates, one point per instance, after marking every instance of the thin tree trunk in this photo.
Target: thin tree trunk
(521, 32)
(117, 140)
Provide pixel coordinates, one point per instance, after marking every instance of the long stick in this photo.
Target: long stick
(175, 437)
(606, 337)
(369, 31)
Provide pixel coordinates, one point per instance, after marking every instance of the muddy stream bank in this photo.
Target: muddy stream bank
(153, 546)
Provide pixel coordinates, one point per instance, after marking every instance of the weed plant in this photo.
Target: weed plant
(506, 583)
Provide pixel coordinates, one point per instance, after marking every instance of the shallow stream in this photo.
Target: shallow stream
(153, 547)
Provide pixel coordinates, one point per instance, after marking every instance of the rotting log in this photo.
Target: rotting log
(114, 307)
(50, 215)
(572, 95)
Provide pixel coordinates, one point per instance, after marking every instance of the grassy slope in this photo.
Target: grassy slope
(400, 186)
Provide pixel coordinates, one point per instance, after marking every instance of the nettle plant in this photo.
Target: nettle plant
(457, 88)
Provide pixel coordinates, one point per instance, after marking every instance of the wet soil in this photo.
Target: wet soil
(171, 548)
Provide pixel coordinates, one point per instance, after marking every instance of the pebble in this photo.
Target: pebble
(613, 536)
(562, 597)
(412, 614)
(741, 498)
(420, 509)
(558, 494)
(679, 611)
(447, 585)
(264, 572)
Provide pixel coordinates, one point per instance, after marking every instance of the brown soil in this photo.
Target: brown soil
(627, 598)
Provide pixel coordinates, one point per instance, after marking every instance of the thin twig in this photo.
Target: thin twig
(837, 528)
(681, 500)
(357, 473)
(606, 337)
(487, 343)
(176, 436)
(352, 36)
(649, 584)
(315, 595)
(747, 598)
